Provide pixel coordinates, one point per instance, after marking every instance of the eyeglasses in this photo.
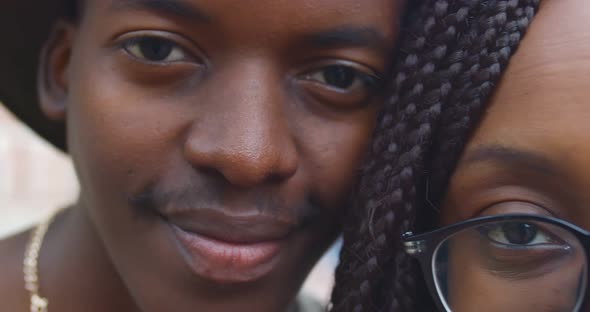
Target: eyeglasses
(505, 263)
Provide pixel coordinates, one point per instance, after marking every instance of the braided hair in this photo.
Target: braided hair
(451, 54)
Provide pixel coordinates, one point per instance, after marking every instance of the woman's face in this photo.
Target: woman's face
(216, 141)
(530, 154)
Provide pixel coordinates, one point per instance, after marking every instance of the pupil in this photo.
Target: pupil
(340, 76)
(519, 233)
(155, 49)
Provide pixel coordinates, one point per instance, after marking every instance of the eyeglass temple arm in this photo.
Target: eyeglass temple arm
(413, 247)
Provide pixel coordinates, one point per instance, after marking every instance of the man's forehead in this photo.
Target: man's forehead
(322, 24)
(172, 7)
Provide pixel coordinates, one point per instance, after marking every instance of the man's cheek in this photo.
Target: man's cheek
(335, 181)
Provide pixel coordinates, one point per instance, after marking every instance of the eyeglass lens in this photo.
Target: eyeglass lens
(511, 266)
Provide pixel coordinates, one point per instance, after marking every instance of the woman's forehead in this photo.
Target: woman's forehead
(545, 86)
(540, 107)
(556, 45)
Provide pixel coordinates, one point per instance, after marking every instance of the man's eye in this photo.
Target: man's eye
(155, 50)
(343, 77)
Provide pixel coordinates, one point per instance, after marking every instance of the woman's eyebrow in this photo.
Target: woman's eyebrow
(346, 36)
(177, 8)
(514, 158)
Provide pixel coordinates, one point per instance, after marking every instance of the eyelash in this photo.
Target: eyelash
(130, 46)
(370, 80)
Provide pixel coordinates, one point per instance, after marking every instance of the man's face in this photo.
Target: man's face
(216, 141)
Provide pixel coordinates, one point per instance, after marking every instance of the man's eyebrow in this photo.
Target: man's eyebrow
(177, 8)
(514, 158)
(356, 36)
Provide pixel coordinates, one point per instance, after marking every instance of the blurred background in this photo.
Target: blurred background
(36, 179)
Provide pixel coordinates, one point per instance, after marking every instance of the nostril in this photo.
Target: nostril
(275, 177)
(243, 156)
(248, 174)
(243, 169)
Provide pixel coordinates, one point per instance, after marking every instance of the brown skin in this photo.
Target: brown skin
(492, 277)
(529, 155)
(239, 119)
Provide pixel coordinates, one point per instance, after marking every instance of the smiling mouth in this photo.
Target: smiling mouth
(228, 249)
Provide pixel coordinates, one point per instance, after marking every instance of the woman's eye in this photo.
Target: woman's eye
(155, 50)
(518, 234)
(343, 77)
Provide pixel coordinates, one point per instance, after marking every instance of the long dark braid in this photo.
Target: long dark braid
(452, 54)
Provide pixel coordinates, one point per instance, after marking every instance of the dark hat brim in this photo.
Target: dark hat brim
(24, 27)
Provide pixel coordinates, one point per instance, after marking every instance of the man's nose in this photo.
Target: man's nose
(244, 133)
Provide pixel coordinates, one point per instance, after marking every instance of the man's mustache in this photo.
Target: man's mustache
(155, 199)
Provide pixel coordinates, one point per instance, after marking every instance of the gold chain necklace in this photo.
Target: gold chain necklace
(31, 266)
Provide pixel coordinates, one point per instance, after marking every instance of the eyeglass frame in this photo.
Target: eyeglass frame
(424, 246)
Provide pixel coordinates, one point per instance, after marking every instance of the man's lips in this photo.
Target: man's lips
(235, 229)
(228, 249)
